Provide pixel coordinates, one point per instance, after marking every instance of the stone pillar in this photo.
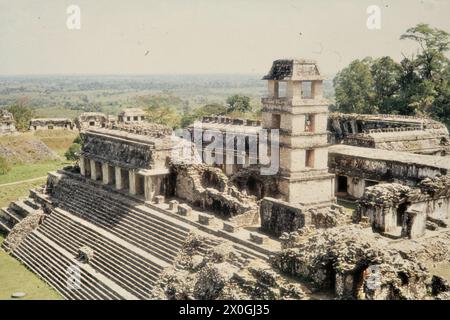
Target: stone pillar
(105, 173)
(118, 173)
(132, 181)
(93, 170)
(82, 167)
(148, 188)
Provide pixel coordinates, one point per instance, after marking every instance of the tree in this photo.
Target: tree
(354, 88)
(431, 61)
(419, 85)
(207, 110)
(239, 103)
(161, 110)
(386, 75)
(74, 151)
(22, 114)
(425, 81)
(164, 115)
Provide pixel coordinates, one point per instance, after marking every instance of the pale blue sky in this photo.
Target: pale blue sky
(202, 36)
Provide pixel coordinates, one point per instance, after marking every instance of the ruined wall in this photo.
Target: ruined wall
(7, 123)
(389, 132)
(208, 187)
(355, 265)
(386, 205)
(278, 216)
(51, 123)
(91, 119)
(386, 167)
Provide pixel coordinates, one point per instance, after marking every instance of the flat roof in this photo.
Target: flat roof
(387, 155)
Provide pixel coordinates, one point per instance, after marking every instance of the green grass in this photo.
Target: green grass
(32, 170)
(15, 277)
(57, 140)
(12, 193)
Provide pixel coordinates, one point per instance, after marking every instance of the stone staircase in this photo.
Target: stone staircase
(152, 233)
(131, 243)
(52, 263)
(16, 211)
(133, 269)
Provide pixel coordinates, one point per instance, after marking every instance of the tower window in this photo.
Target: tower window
(307, 90)
(276, 121)
(309, 123)
(282, 89)
(309, 158)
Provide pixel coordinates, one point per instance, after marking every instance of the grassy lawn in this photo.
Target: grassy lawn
(11, 193)
(57, 140)
(31, 170)
(15, 277)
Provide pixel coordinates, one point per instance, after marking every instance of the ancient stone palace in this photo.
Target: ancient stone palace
(329, 206)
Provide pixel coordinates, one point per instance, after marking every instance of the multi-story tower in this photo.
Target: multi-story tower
(296, 107)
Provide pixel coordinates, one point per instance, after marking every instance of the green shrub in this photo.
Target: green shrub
(73, 153)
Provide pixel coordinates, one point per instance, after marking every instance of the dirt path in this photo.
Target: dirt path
(21, 181)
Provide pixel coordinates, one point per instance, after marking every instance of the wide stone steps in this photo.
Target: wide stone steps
(131, 232)
(51, 263)
(135, 274)
(21, 208)
(5, 225)
(100, 265)
(11, 215)
(163, 234)
(151, 233)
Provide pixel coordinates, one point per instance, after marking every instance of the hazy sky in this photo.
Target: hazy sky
(202, 36)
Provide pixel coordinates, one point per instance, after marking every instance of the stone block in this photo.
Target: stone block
(204, 219)
(258, 238)
(159, 199)
(173, 205)
(184, 210)
(229, 227)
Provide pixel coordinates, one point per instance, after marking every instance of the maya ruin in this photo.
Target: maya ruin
(142, 215)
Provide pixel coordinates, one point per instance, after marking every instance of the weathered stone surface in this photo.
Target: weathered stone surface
(220, 273)
(7, 122)
(334, 258)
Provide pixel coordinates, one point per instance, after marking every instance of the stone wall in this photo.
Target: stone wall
(7, 123)
(387, 166)
(353, 264)
(278, 216)
(208, 187)
(389, 132)
(390, 206)
(120, 152)
(51, 123)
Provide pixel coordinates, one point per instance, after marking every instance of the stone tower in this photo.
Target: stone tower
(296, 107)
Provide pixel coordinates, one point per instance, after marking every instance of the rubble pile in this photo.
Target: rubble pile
(435, 187)
(209, 188)
(341, 259)
(221, 272)
(22, 229)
